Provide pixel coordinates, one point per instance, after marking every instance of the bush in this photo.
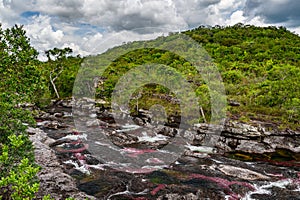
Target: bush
(18, 61)
(18, 172)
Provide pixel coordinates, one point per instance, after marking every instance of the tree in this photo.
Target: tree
(56, 59)
(18, 65)
(20, 82)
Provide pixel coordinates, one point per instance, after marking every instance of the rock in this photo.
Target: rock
(38, 133)
(52, 179)
(90, 160)
(59, 142)
(138, 121)
(67, 104)
(67, 114)
(208, 129)
(241, 130)
(196, 154)
(32, 131)
(50, 124)
(96, 122)
(58, 115)
(92, 123)
(45, 115)
(101, 101)
(57, 134)
(254, 147)
(190, 135)
(88, 100)
(189, 196)
(145, 115)
(233, 103)
(122, 138)
(283, 142)
(247, 159)
(201, 149)
(89, 106)
(242, 173)
(167, 131)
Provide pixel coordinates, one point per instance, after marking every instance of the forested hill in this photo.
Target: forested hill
(259, 65)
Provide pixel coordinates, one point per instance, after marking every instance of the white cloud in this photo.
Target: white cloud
(69, 9)
(100, 43)
(42, 34)
(7, 14)
(228, 4)
(128, 14)
(87, 25)
(226, 12)
(236, 17)
(195, 12)
(295, 30)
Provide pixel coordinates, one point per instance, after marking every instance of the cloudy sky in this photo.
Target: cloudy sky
(92, 26)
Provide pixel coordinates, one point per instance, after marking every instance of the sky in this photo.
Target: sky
(93, 26)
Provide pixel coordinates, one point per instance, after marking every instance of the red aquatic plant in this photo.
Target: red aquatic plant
(157, 189)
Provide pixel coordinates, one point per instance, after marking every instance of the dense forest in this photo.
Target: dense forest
(260, 67)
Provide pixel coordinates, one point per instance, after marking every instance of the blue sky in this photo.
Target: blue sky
(91, 26)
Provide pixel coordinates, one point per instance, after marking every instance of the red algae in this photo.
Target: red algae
(79, 156)
(224, 184)
(133, 152)
(157, 189)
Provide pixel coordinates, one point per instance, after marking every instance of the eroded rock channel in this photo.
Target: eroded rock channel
(112, 161)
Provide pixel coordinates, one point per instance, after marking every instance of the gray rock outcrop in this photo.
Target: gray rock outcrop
(53, 180)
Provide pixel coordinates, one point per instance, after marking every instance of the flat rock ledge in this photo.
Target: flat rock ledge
(53, 180)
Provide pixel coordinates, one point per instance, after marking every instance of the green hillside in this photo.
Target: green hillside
(259, 66)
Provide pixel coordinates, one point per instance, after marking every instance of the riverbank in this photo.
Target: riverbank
(247, 161)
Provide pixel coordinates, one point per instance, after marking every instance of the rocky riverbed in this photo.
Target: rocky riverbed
(97, 157)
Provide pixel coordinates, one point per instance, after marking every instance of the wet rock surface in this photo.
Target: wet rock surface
(53, 180)
(245, 161)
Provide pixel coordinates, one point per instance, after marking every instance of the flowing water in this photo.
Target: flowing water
(140, 168)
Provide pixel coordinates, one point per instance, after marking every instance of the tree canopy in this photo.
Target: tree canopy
(259, 66)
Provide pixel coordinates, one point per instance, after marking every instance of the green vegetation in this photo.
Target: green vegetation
(259, 66)
(20, 83)
(25, 80)
(60, 72)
